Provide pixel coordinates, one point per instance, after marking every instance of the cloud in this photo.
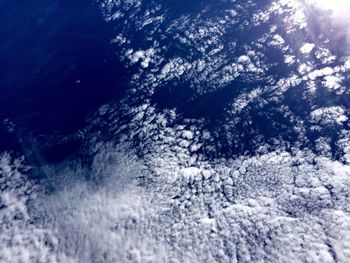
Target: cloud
(160, 187)
(176, 205)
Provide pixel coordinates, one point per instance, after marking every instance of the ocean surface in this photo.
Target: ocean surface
(174, 131)
(57, 67)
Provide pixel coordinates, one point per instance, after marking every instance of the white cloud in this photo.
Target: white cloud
(174, 204)
(307, 48)
(329, 115)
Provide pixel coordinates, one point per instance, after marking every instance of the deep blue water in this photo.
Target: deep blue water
(57, 66)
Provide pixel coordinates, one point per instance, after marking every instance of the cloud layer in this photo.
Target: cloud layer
(265, 179)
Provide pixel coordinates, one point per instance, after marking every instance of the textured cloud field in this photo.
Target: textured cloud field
(248, 161)
(273, 207)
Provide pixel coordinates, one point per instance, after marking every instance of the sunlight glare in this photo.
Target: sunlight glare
(337, 7)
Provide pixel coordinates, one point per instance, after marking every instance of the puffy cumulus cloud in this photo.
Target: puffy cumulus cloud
(207, 47)
(108, 217)
(204, 47)
(72, 215)
(230, 49)
(344, 144)
(307, 48)
(329, 115)
(21, 238)
(158, 188)
(144, 56)
(151, 194)
(275, 206)
(162, 187)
